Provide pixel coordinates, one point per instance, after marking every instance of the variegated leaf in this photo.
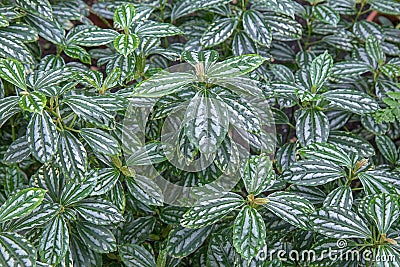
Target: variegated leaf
(16, 251)
(384, 210)
(13, 71)
(126, 44)
(218, 32)
(32, 102)
(312, 126)
(98, 211)
(133, 255)
(42, 136)
(98, 238)
(256, 28)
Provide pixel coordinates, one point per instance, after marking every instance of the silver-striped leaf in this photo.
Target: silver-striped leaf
(124, 16)
(313, 172)
(32, 102)
(218, 32)
(101, 141)
(17, 151)
(8, 107)
(98, 211)
(126, 44)
(53, 244)
(258, 174)
(21, 203)
(341, 197)
(256, 28)
(290, 207)
(133, 255)
(145, 190)
(209, 211)
(16, 251)
(320, 70)
(249, 232)
(13, 71)
(385, 210)
(42, 136)
(312, 126)
(340, 223)
(73, 192)
(327, 152)
(98, 238)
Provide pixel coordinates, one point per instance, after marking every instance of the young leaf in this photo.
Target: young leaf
(32, 102)
(340, 223)
(258, 175)
(124, 16)
(21, 203)
(320, 70)
(313, 172)
(42, 136)
(249, 232)
(209, 211)
(126, 44)
(374, 49)
(13, 71)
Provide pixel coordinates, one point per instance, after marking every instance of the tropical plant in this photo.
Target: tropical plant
(199, 133)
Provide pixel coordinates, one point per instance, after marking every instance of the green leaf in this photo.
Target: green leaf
(373, 184)
(387, 148)
(86, 35)
(290, 207)
(391, 7)
(283, 28)
(101, 141)
(98, 238)
(163, 83)
(258, 174)
(183, 241)
(209, 211)
(320, 70)
(218, 32)
(341, 197)
(326, 14)
(16, 50)
(384, 210)
(327, 152)
(78, 52)
(17, 151)
(133, 255)
(3, 21)
(313, 172)
(13, 71)
(38, 7)
(124, 16)
(42, 137)
(350, 142)
(32, 102)
(72, 156)
(53, 245)
(221, 252)
(286, 7)
(8, 107)
(106, 179)
(249, 232)
(189, 6)
(350, 68)
(155, 29)
(374, 49)
(39, 216)
(73, 192)
(206, 123)
(312, 126)
(207, 58)
(88, 109)
(363, 28)
(145, 190)
(150, 153)
(20, 32)
(351, 100)
(256, 28)
(126, 44)
(21, 203)
(236, 66)
(16, 250)
(339, 223)
(98, 211)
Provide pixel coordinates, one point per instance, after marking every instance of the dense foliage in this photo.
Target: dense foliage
(80, 188)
